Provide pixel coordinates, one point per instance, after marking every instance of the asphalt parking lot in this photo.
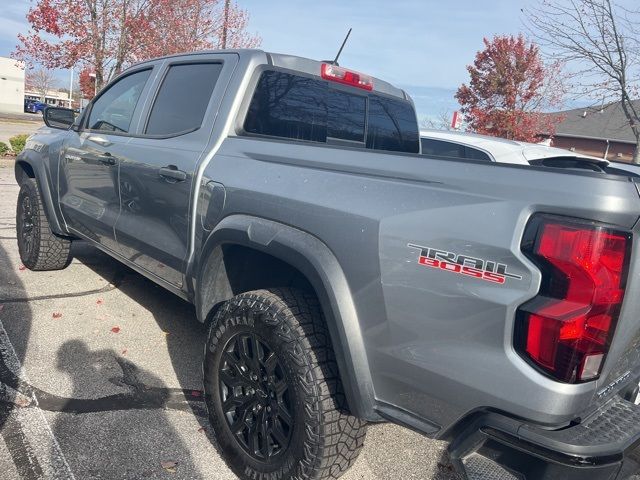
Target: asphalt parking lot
(100, 378)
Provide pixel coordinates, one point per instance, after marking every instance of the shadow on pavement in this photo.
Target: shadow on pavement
(131, 434)
(124, 435)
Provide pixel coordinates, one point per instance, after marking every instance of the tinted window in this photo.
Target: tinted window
(476, 154)
(392, 126)
(288, 106)
(302, 108)
(441, 148)
(346, 116)
(113, 110)
(183, 98)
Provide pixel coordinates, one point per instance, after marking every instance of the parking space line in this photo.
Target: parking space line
(34, 449)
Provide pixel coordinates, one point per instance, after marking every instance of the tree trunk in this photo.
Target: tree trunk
(636, 153)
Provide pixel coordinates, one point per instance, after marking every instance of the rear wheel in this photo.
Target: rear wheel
(39, 247)
(273, 392)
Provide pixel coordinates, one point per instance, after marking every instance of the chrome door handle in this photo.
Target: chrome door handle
(99, 140)
(171, 173)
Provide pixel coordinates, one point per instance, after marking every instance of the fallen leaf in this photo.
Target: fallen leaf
(196, 393)
(22, 267)
(22, 401)
(202, 430)
(124, 352)
(1, 307)
(99, 301)
(57, 315)
(169, 466)
(115, 330)
(166, 333)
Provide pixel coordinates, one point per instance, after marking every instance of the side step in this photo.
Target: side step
(477, 467)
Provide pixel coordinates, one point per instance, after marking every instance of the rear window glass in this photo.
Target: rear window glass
(346, 117)
(288, 106)
(392, 126)
(302, 108)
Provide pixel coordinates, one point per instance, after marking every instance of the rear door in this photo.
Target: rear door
(89, 190)
(156, 178)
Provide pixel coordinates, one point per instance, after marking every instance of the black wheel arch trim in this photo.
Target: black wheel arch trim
(318, 264)
(43, 181)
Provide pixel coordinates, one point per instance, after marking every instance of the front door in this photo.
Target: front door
(91, 157)
(156, 179)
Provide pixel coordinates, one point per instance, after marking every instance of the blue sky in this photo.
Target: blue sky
(420, 45)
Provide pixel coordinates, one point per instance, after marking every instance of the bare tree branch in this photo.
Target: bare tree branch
(600, 41)
(41, 80)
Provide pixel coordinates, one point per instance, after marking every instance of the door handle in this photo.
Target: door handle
(99, 140)
(107, 159)
(172, 173)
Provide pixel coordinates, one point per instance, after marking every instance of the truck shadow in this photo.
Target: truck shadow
(123, 435)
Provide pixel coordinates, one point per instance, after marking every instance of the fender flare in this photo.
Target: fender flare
(317, 263)
(42, 179)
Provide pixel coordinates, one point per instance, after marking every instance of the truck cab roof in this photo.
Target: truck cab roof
(290, 62)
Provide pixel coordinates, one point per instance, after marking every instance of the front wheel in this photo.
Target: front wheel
(274, 396)
(39, 247)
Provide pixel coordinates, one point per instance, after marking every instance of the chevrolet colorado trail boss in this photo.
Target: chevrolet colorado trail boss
(347, 279)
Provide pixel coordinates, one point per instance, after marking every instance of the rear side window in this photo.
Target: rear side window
(183, 98)
(301, 108)
(442, 148)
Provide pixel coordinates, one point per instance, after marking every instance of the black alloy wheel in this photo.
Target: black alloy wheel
(256, 399)
(26, 223)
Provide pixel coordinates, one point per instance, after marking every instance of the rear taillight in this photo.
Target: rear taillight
(566, 330)
(346, 77)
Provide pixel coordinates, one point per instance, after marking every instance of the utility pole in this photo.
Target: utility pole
(225, 24)
(71, 88)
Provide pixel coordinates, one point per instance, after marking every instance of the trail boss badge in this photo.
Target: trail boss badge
(486, 270)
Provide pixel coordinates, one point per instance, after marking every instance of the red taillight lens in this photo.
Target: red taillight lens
(346, 77)
(566, 330)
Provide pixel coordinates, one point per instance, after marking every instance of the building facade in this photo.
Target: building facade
(11, 86)
(602, 132)
(54, 98)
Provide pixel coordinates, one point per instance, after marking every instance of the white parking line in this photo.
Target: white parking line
(24, 429)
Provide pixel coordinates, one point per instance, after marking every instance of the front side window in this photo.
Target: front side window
(309, 109)
(113, 110)
(183, 98)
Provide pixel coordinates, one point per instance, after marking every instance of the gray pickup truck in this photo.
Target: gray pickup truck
(347, 279)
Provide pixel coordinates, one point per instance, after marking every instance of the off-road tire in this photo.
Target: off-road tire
(40, 249)
(325, 438)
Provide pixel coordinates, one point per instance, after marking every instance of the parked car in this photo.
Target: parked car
(454, 144)
(36, 106)
(345, 280)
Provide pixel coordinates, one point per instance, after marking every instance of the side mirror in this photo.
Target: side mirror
(56, 117)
